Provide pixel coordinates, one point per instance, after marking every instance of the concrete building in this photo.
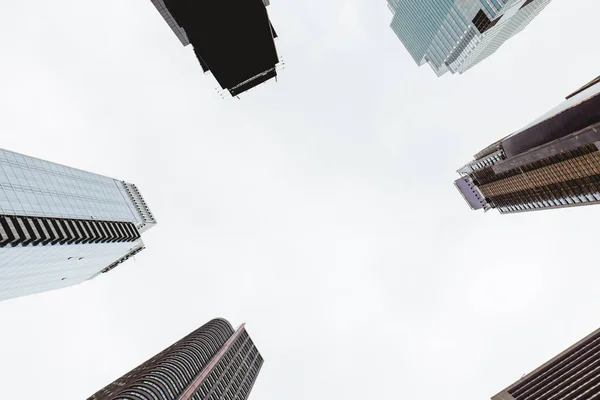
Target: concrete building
(572, 375)
(214, 362)
(454, 35)
(553, 162)
(60, 226)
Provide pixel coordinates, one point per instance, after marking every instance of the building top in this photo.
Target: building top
(552, 162)
(234, 41)
(453, 35)
(212, 362)
(39, 188)
(178, 30)
(470, 193)
(146, 218)
(584, 87)
(587, 93)
(576, 113)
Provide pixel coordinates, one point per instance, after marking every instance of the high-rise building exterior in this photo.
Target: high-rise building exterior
(177, 30)
(553, 162)
(233, 40)
(454, 35)
(60, 226)
(212, 363)
(572, 375)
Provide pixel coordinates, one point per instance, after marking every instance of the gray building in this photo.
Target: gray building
(553, 162)
(177, 30)
(215, 362)
(60, 226)
(572, 375)
(454, 35)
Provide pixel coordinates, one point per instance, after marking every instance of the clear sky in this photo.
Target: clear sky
(319, 209)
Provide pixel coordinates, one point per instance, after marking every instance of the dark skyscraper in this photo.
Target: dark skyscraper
(214, 362)
(553, 162)
(572, 375)
(232, 39)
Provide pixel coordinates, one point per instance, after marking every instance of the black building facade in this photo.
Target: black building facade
(234, 40)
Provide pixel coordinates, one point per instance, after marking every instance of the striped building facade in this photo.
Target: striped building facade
(60, 226)
(454, 35)
(572, 375)
(215, 362)
(554, 162)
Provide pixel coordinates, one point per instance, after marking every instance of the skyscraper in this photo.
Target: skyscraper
(60, 226)
(234, 39)
(214, 362)
(553, 162)
(454, 35)
(572, 375)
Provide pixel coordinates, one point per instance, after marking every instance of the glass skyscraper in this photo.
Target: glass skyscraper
(553, 162)
(215, 362)
(60, 226)
(454, 35)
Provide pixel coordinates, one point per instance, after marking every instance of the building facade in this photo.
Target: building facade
(553, 162)
(454, 35)
(572, 375)
(177, 30)
(60, 226)
(213, 362)
(233, 40)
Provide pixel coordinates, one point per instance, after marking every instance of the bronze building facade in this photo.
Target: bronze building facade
(553, 162)
(214, 362)
(572, 375)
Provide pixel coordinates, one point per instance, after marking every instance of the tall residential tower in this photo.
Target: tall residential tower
(212, 363)
(60, 226)
(553, 162)
(572, 375)
(234, 40)
(454, 35)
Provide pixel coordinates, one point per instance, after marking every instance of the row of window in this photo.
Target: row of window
(562, 176)
(168, 374)
(232, 377)
(186, 358)
(24, 231)
(29, 166)
(487, 161)
(576, 370)
(135, 195)
(550, 203)
(488, 176)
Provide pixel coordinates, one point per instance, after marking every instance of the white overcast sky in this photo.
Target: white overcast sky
(319, 210)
